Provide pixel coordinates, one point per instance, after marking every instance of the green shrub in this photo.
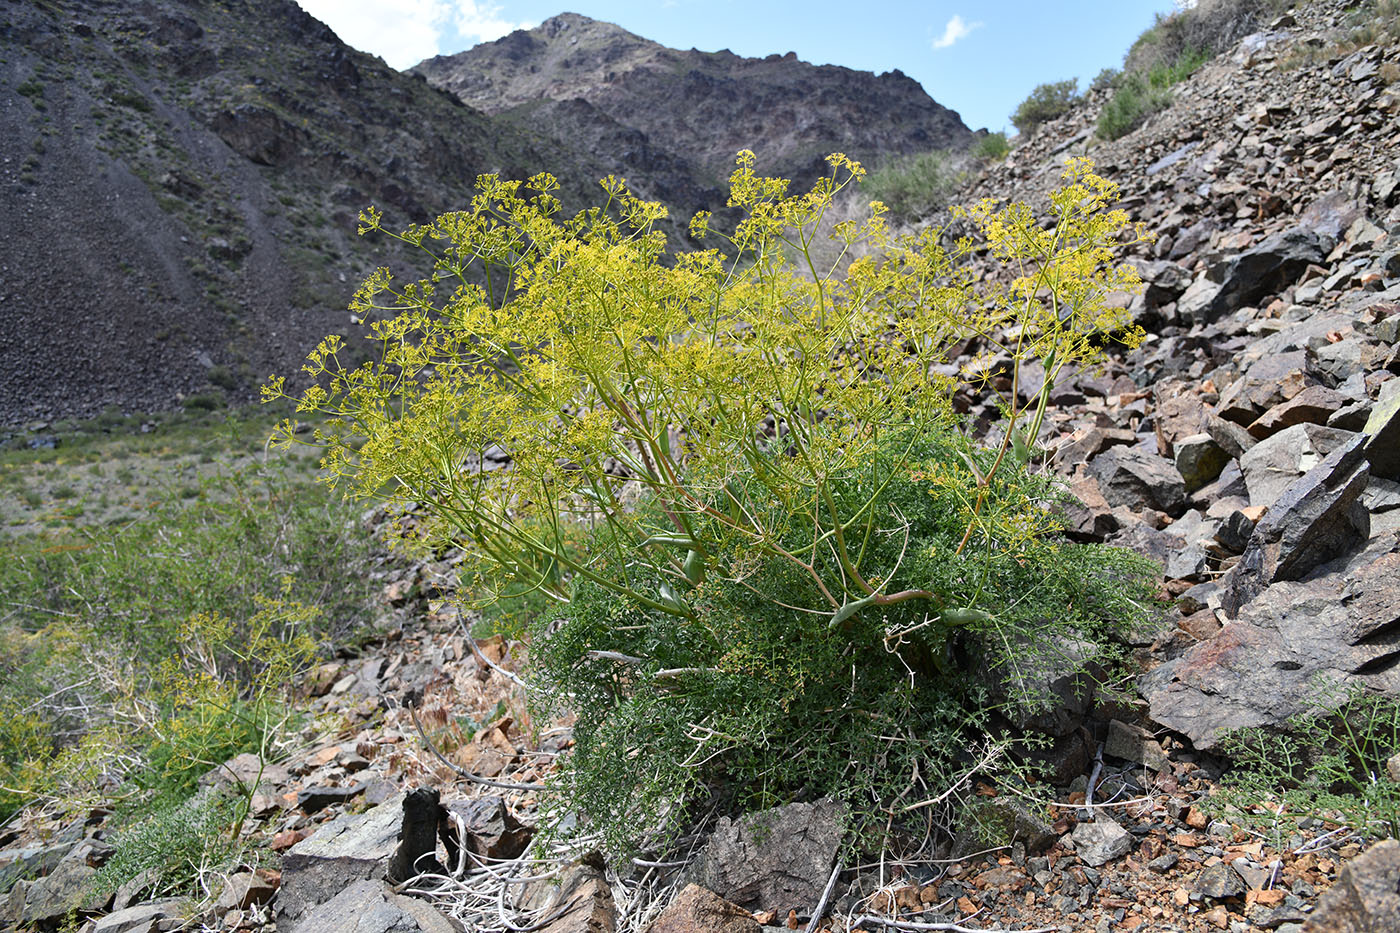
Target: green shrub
(1106, 80)
(132, 100)
(915, 186)
(203, 401)
(735, 470)
(1131, 104)
(1045, 103)
(177, 847)
(762, 699)
(223, 377)
(991, 148)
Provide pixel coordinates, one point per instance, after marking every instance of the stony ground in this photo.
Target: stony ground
(1251, 445)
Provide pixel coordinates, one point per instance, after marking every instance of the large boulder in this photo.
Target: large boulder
(1137, 479)
(1267, 665)
(777, 860)
(1366, 897)
(1274, 464)
(367, 906)
(1257, 273)
(1317, 518)
(347, 849)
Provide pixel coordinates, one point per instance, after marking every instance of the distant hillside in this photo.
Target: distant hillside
(179, 186)
(672, 120)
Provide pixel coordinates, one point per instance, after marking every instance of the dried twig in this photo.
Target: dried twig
(821, 901)
(480, 656)
(475, 779)
(953, 927)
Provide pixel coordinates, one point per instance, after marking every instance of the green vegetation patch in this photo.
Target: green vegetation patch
(1333, 765)
(1045, 103)
(915, 186)
(1169, 52)
(152, 649)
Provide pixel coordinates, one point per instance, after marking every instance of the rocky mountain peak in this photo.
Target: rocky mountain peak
(674, 119)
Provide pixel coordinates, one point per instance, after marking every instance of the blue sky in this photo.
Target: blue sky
(979, 58)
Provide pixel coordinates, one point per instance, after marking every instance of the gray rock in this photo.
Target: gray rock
(1163, 863)
(1231, 437)
(246, 888)
(1266, 665)
(1270, 380)
(1088, 516)
(347, 849)
(1337, 361)
(696, 910)
(1135, 478)
(316, 798)
(1381, 495)
(1316, 518)
(1272, 465)
(1383, 438)
(28, 862)
(1197, 304)
(1234, 533)
(584, 890)
(1134, 743)
(1366, 897)
(246, 770)
(1005, 820)
(774, 860)
(1101, 841)
(61, 890)
(1199, 460)
(1049, 688)
(1218, 881)
(143, 918)
(1313, 405)
(492, 830)
(1191, 563)
(368, 906)
(1260, 272)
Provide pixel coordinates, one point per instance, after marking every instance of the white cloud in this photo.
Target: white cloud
(483, 23)
(404, 32)
(955, 30)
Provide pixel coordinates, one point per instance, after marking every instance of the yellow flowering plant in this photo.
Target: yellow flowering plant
(600, 368)
(736, 472)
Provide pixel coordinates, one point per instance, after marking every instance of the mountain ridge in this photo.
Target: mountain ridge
(697, 109)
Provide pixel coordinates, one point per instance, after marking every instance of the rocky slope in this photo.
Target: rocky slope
(671, 120)
(180, 189)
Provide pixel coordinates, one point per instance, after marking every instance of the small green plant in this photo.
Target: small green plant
(173, 849)
(991, 148)
(1327, 764)
(203, 401)
(734, 473)
(1045, 103)
(1106, 80)
(132, 100)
